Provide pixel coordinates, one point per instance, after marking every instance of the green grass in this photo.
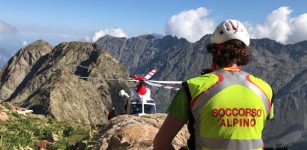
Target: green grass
(22, 131)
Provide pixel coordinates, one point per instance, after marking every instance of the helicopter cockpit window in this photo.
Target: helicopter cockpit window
(134, 100)
(149, 109)
(141, 83)
(150, 101)
(135, 108)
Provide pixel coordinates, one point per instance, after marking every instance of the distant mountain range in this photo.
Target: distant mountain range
(282, 66)
(3, 60)
(8, 47)
(46, 78)
(4, 57)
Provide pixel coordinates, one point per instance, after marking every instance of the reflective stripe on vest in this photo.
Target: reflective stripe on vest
(230, 143)
(232, 78)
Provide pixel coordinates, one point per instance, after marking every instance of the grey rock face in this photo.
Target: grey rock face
(55, 87)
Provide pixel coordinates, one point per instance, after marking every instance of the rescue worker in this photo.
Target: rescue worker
(225, 109)
(112, 113)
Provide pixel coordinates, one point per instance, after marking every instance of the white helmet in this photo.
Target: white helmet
(228, 30)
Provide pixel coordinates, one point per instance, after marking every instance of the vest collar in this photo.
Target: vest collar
(231, 69)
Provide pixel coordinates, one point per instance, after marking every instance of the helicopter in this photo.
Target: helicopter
(139, 102)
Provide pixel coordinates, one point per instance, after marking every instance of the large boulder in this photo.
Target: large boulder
(135, 133)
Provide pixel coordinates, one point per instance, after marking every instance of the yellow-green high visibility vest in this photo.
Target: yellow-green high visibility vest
(231, 113)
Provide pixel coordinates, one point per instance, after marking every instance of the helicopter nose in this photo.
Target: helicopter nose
(135, 77)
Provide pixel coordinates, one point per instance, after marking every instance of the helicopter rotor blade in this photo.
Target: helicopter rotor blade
(150, 74)
(166, 82)
(162, 86)
(122, 80)
(130, 80)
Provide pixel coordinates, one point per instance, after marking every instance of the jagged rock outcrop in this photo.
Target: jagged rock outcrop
(135, 133)
(282, 66)
(20, 65)
(55, 87)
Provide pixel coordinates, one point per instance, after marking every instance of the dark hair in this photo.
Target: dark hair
(229, 53)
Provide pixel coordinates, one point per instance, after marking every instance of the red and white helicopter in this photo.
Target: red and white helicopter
(139, 101)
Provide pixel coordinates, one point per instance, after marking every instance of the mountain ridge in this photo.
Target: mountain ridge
(53, 85)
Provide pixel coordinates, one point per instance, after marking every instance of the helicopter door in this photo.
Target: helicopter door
(135, 108)
(149, 109)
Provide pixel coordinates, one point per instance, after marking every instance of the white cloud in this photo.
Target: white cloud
(24, 43)
(9, 40)
(191, 25)
(299, 29)
(116, 32)
(6, 29)
(280, 27)
(249, 27)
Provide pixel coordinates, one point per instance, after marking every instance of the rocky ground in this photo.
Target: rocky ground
(135, 133)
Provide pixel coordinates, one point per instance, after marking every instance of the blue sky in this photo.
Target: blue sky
(68, 20)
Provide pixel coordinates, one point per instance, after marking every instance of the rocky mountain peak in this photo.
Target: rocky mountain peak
(20, 65)
(69, 83)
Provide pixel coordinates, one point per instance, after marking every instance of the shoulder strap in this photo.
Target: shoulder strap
(187, 90)
(273, 97)
(191, 140)
(272, 101)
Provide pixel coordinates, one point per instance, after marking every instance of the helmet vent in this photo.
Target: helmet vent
(227, 26)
